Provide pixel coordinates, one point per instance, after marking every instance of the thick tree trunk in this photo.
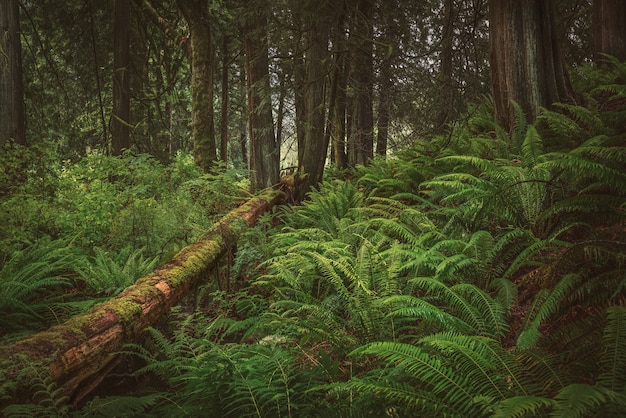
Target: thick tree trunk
(264, 151)
(609, 29)
(202, 88)
(73, 353)
(526, 63)
(120, 122)
(12, 114)
(312, 149)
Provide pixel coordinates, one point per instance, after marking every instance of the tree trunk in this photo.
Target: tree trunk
(609, 29)
(225, 102)
(361, 137)
(243, 118)
(12, 114)
(196, 14)
(312, 149)
(444, 100)
(72, 354)
(264, 151)
(526, 64)
(120, 122)
(340, 84)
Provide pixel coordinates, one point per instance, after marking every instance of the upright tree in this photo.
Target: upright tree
(312, 147)
(12, 114)
(609, 29)
(264, 150)
(197, 15)
(360, 85)
(525, 59)
(120, 121)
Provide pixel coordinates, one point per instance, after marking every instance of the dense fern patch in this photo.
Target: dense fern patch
(476, 274)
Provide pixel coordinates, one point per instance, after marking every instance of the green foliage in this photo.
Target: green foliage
(107, 274)
(477, 274)
(47, 401)
(230, 380)
(30, 282)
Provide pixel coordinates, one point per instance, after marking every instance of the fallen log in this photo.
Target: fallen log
(73, 353)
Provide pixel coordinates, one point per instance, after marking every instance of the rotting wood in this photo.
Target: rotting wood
(72, 353)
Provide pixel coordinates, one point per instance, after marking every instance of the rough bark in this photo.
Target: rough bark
(120, 122)
(12, 113)
(202, 89)
(525, 59)
(340, 80)
(609, 29)
(312, 148)
(73, 353)
(361, 81)
(264, 150)
(225, 101)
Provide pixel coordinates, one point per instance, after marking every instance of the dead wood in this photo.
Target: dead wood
(72, 354)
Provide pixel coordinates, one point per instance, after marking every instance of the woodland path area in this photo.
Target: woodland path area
(77, 354)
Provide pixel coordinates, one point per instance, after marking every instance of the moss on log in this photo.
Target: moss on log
(72, 353)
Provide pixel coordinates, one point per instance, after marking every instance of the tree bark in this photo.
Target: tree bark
(340, 84)
(312, 149)
(225, 102)
(526, 63)
(12, 113)
(120, 122)
(196, 14)
(264, 151)
(361, 137)
(609, 29)
(73, 353)
(444, 100)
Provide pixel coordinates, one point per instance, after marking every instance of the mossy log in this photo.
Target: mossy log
(72, 354)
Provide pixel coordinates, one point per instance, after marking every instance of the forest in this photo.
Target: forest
(366, 208)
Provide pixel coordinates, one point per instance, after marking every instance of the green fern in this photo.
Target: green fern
(480, 311)
(106, 274)
(467, 374)
(32, 283)
(613, 371)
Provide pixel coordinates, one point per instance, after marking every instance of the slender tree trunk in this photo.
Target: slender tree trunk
(120, 122)
(384, 112)
(264, 151)
(526, 63)
(609, 29)
(313, 149)
(196, 14)
(12, 113)
(337, 103)
(361, 139)
(445, 97)
(225, 102)
(243, 105)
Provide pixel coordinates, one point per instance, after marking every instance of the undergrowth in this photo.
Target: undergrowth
(476, 274)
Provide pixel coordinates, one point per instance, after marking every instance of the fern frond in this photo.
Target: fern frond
(442, 381)
(523, 406)
(613, 360)
(489, 369)
(581, 400)
(532, 148)
(468, 302)
(549, 304)
(410, 307)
